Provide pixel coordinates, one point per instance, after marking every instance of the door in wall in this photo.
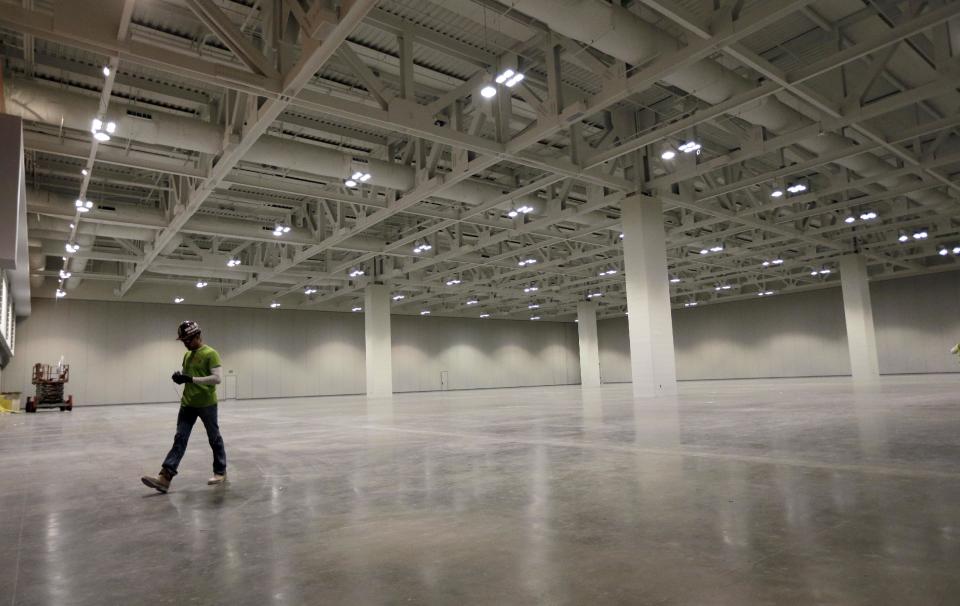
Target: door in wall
(444, 380)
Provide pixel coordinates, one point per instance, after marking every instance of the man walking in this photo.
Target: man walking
(200, 375)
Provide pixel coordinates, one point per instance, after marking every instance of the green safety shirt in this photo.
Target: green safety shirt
(200, 363)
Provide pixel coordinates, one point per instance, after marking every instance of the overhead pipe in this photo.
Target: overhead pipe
(622, 34)
(58, 107)
(142, 224)
(78, 265)
(38, 222)
(47, 212)
(182, 270)
(38, 263)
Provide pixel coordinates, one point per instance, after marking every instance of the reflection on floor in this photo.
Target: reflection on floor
(734, 492)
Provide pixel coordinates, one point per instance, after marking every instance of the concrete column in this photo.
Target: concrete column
(652, 362)
(376, 312)
(858, 312)
(589, 349)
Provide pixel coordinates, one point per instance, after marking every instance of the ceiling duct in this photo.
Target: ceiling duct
(63, 108)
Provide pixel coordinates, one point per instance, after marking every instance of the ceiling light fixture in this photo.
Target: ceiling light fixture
(201, 283)
(668, 155)
(472, 302)
(233, 262)
(61, 293)
(674, 280)
(419, 248)
(522, 210)
(849, 219)
(943, 252)
(178, 299)
(526, 262)
(425, 312)
(920, 235)
(106, 71)
(356, 273)
(357, 308)
(508, 78)
(608, 272)
(533, 306)
(64, 274)
(84, 172)
(83, 206)
(594, 295)
(530, 289)
(777, 193)
(274, 305)
(399, 297)
(488, 92)
(796, 188)
(484, 315)
(71, 247)
(868, 216)
(453, 282)
(690, 304)
(690, 147)
(281, 229)
(101, 132)
(535, 317)
(310, 290)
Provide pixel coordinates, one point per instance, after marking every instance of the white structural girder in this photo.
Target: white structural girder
(228, 33)
(65, 29)
(589, 346)
(858, 313)
(376, 310)
(421, 192)
(315, 54)
(652, 360)
(772, 86)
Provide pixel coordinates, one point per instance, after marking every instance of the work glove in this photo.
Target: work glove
(179, 378)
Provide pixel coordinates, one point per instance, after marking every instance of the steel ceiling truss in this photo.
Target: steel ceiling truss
(583, 154)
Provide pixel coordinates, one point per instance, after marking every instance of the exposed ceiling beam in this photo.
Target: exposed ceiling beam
(315, 54)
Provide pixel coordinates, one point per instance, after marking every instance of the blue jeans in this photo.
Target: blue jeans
(185, 421)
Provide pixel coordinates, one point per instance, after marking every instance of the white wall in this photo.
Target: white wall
(482, 353)
(790, 336)
(917, 321)
(126, 352)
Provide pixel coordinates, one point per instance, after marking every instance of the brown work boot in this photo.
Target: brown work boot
(161, 483)
(217, 479)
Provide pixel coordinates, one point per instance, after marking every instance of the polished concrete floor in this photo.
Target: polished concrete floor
(746, 492)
